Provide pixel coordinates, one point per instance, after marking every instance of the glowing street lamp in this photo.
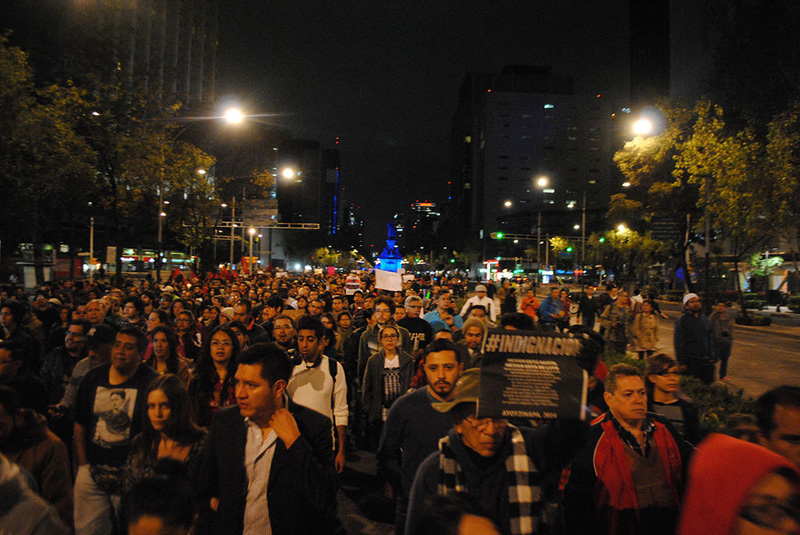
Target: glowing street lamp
(508, 204)
(642, 127)
(287, 173)
(233, 116)
(543, 182)
(621, 228)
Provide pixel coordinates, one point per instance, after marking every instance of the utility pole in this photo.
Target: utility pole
(91, 248)
(583, 240)
(539, 248)
(233, 224)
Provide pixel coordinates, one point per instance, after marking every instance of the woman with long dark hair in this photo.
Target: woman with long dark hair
(169, 431)
(212, 386)
(165, 357)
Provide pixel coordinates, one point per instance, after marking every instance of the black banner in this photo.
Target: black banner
(532, 374)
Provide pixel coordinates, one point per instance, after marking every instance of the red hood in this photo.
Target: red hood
(722, 471)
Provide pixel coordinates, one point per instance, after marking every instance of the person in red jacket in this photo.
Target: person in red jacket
(627, 479)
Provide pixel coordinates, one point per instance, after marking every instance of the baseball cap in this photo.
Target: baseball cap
(467, 390)
(99, 335)
(687, 297)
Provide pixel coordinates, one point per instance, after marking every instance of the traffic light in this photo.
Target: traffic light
(602, 240)
(569, 249)
(497, 235)
(452, 260)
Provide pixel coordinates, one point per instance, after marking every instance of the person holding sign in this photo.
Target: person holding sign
(627, 479)
(487, 458)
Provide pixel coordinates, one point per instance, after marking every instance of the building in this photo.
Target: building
(523, 143)
(163, 46)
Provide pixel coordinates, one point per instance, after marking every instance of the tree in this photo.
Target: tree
(45, 166)
(656, 190)
(783, 172)
(728, 168)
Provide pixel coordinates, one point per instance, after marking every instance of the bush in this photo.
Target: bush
(754, 300)
(753, 320)
(794, 303)
(715, 403)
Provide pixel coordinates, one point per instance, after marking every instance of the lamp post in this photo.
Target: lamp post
(542, 182)
(252, 233)
(231, 116)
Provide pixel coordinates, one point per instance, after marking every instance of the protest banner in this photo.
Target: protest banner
(388, 280)
(532, 374)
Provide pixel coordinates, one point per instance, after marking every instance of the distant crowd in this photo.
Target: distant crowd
(227, 404)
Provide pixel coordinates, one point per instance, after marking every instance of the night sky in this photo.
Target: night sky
(384, 76)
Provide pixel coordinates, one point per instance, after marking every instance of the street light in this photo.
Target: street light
(287, 173)
(508, 204)
(252, 233)
(234, 115)
(642, 127)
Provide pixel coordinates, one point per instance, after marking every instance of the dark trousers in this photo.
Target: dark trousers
(702, 369)
(723, 352)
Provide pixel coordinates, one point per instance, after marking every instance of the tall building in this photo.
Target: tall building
(512, 129)
(332, 191)
(162, 46)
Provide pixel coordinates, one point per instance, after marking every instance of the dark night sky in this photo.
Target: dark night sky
(384, 76)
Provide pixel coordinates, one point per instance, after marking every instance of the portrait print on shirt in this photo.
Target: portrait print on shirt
(113, 411)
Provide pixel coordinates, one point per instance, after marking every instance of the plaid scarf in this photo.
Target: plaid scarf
(524, 491)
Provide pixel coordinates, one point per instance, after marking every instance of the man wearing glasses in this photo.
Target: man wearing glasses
(628, 476)
(487, 458)
(420, 330)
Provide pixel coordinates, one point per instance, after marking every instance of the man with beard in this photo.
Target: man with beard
(283, 333)
(413, 428)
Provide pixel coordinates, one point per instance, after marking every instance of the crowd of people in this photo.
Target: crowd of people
(228, 405)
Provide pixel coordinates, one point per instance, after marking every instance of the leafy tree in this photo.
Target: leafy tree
(656, 189)
(783, 173)
(728, 169)
(45, 166)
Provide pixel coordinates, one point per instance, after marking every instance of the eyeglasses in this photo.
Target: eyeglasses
(772, 515)
(388, 336)
(483, 424)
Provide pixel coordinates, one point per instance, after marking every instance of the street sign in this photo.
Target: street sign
(665, 228)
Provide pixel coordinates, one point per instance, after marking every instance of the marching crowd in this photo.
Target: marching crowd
(228, 405)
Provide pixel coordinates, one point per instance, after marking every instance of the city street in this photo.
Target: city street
(763, 357)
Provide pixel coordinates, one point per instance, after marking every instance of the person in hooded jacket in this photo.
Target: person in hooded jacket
(739, 488)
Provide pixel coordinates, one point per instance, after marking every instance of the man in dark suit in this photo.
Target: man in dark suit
(268, 463)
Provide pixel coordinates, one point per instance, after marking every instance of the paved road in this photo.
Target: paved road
(762, 358)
